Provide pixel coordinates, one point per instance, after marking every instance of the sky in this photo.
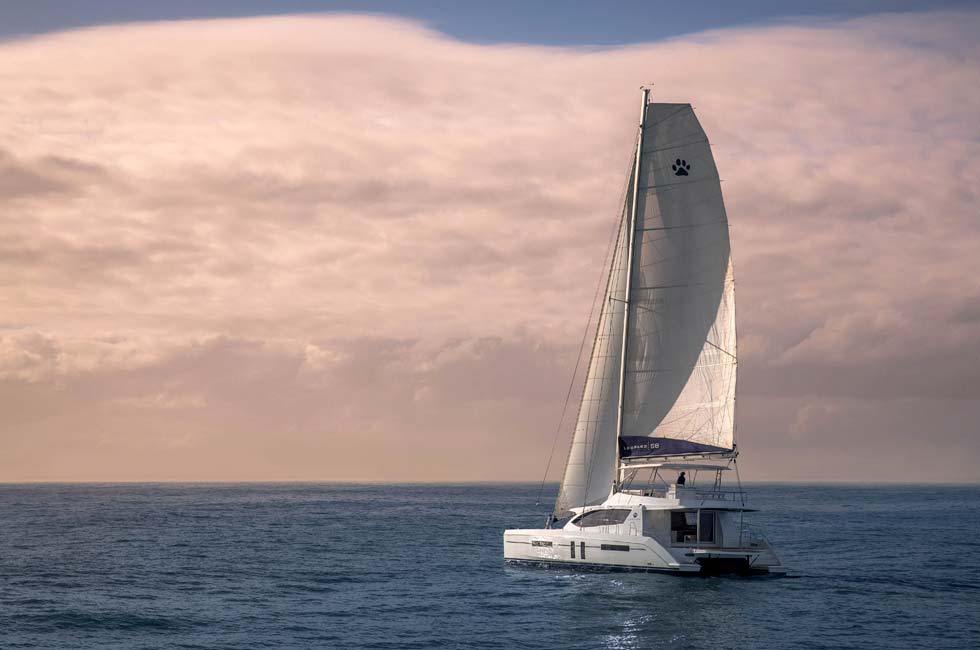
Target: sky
(363, 246)
(543, 22)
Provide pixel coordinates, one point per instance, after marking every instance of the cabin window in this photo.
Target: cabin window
(707, 527)
(608, 517)
(538, 542)
(683, 526)
(615, 547)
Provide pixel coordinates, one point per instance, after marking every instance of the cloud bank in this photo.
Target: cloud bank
(350, 247)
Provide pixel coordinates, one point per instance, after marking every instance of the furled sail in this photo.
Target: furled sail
(678, 393)
(679, 383)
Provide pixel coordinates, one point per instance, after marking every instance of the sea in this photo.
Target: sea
(390, 566)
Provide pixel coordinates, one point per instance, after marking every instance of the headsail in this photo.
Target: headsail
(592, 458)
(679, 380)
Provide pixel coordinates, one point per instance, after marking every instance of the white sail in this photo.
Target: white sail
(679, 385)
(592, 457)
(679, 381)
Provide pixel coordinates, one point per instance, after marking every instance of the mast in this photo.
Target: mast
(629, 281)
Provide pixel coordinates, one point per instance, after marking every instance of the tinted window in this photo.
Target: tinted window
(615, 547)
(602, 518)
(707, 526)
(683, 526)
(683, 519)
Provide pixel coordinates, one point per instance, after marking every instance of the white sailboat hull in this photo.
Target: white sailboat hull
(644, 541)
(644, 554)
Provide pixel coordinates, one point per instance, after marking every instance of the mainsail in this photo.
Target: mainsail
(678, 383)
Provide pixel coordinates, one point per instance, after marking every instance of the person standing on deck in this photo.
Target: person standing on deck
(681, 480)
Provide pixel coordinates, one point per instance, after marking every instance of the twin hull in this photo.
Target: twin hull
(649, 539)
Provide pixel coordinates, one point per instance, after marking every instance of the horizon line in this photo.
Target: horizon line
(349, 481)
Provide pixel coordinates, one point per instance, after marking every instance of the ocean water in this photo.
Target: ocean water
(419, 566)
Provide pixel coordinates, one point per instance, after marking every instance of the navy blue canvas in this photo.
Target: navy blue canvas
(639, 446)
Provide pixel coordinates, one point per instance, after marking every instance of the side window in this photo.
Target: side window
(683, 526)
(707, 526)
(609, 517)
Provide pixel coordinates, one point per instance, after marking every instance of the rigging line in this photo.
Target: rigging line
(689, 205)
(659, 235)
(669, 146)
(693, 225)
(720, 350)
(659, 256)
(688, 252)
(641, 307)
(647, 241)
(730, 273)
(670, 286)
(679, 139)
(669, 187)
(653, 189)
(683, 255)
(683, 418)
(610, 258)
(681, 369)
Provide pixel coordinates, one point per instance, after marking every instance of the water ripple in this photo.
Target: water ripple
(419, 566)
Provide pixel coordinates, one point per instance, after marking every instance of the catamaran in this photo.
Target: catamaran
(642, 488)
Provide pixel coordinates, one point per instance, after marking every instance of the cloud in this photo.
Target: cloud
(348, 246)
(233, 409)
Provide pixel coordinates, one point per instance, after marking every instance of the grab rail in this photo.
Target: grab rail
(719, 495)
(707, 494)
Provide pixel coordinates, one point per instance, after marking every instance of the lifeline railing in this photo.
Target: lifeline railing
(703, 494)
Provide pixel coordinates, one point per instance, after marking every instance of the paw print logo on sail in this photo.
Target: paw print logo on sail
(681, 167)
